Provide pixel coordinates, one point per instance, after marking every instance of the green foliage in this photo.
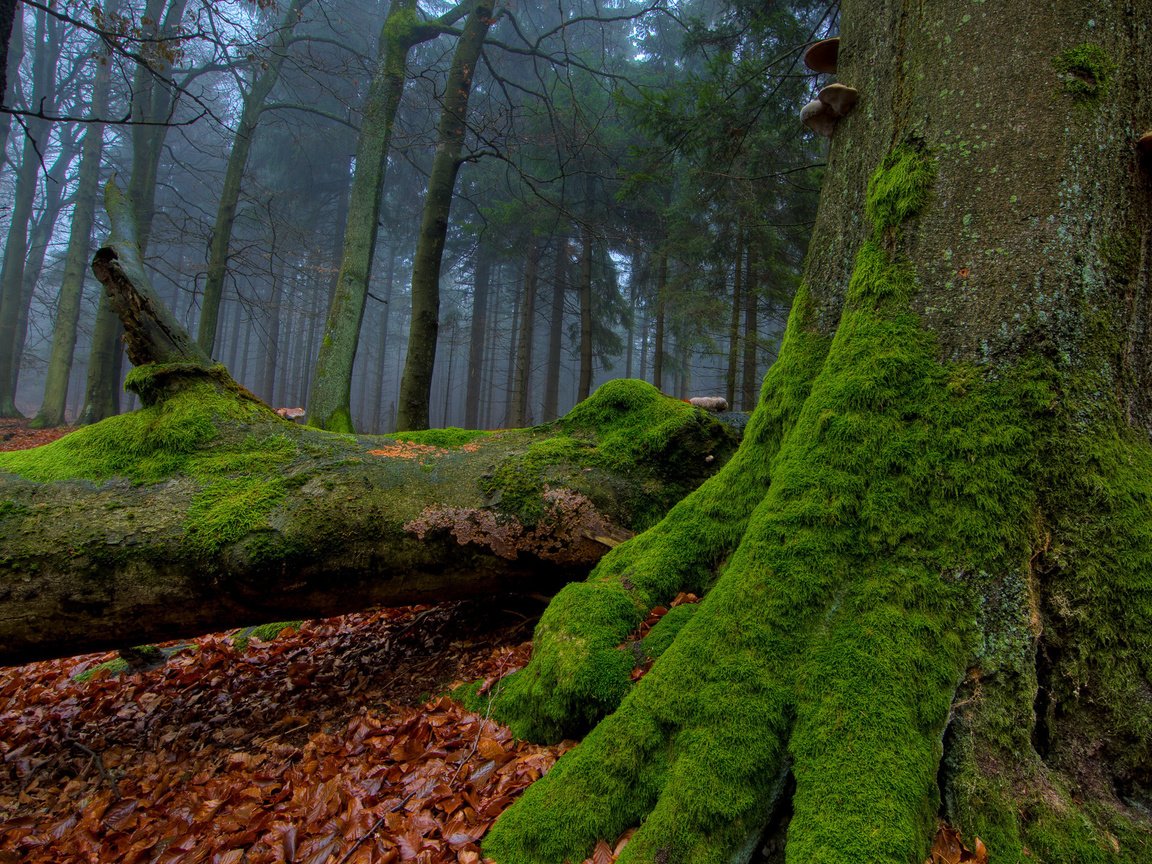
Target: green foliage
(1085, 72)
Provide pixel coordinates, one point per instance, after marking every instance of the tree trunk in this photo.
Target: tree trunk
(661, 313)
(748, 379)
(329, 400)
(551, 406)
(734, 319)
(527, 331)
(79, 242)
(44, 62)
(252, 108)
(416, 381)
(186, 515)
(934, 551)
(11, 56)
(584, 386)
(39, 238)
(153, 104)
(477, 335)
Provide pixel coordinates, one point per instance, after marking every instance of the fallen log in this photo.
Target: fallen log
(205, 510)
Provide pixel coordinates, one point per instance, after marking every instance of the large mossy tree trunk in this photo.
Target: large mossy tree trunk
(929, 566)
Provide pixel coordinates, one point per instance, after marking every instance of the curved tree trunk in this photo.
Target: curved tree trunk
(934, 550)
(153, 102)
(416, 381)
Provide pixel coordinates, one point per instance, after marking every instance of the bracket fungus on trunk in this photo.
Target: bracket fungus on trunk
(1144, 150)
(822, 56)
(833, 102)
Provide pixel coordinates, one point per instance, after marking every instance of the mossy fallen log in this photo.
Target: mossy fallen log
(205, 510)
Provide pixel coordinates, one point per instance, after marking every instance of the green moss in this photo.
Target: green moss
(146, 446)
(115, 666)
(900, 188)
(263, 632)
(627, 431)
(1085, 72)
(667, 629)
(631, 421)
(450, 437)
(238, 477)
(11, 510)
(834, 591)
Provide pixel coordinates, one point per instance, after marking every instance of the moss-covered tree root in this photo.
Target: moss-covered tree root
(894, 548)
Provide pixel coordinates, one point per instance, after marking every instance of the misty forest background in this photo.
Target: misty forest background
(646, 157)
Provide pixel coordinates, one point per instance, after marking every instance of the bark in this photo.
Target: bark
(477, 336)
(250, 113)
(79, 240)
(329, 401)
(154, 103)
(551, 405)
(44, 62)
(188, 514)
(734, 320)
(520, 395)
(55, 184)
(928, 567)
(748, 377)
(661, 314)
(416, 380)
(12, 46)
(584, 386)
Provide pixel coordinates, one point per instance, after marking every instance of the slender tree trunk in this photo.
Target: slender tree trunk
(661, 314)
(416, 382)
(12, 46)
(44, 63)
(272, 356)
(523, 377)
(52, 410)
(584, 387)
(749, 381)
(551, 407)
(328, 402)
(734, 321)
(253, 106)
(477, 335)
(645, 327)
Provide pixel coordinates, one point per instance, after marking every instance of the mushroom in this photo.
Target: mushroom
(816, 116)
(1144, 148)
(821, 56)
(839, 98)
(833, 102)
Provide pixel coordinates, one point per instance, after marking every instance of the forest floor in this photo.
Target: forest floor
(331, 743)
